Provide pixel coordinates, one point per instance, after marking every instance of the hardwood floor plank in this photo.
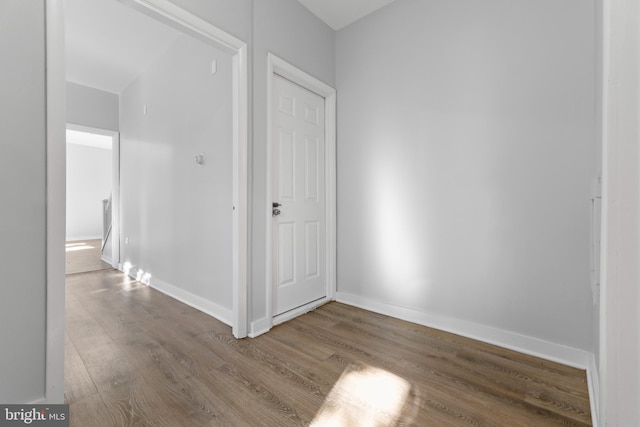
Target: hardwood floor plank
(137, 357)
(176, 382)
(300, 363)
(274, 411)
(554, 399)
(89, 412)
(137, 403)
(85, 256)
(78, 382)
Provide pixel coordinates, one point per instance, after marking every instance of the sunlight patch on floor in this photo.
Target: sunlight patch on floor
(72, 247)
(364, 396)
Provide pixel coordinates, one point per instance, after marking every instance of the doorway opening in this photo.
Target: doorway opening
(93, 199)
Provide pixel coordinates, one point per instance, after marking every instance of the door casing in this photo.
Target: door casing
(276, 65)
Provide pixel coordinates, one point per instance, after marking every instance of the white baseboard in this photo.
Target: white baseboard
(593, 380)
(292, 314)
(524, 344)
(223, 314)
(79, 238)
(259, 327)
(264, 325)
(107, 259)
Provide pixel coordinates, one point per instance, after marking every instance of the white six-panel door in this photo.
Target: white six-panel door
(298, 186)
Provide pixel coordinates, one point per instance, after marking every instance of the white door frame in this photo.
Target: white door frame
(284, 69)
(115, 185)
(178, 18)
(56, 202)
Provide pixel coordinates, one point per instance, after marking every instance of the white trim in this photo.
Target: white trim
(601, 368)
(331, 201)
(259, 327)
(212, 309)
(593, 382)
(192, 300)
(299, 311)
(279, 66)
(56, 195)
(115, 200)
(167, 12)
(569, 356)
(603, 339)
(240, 193)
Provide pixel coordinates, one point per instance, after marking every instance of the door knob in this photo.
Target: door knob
(274, 209)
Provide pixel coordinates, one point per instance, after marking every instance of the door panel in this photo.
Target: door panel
(298, 184)
(286, 255)
(312, 249)
(312, 157)
(286, 173)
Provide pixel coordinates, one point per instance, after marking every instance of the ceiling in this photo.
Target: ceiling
(109, 44)
(340, 13)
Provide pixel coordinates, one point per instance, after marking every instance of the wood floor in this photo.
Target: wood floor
(84, 256)
(135, 357)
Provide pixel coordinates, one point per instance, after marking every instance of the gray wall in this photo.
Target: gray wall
(288, 30)
(466, 148)
(96, 108)
(175, 214)
(23, 195)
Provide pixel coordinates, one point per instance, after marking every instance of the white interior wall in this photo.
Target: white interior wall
(89, 181)
(23, 180)
(466, 150)
(176, 215)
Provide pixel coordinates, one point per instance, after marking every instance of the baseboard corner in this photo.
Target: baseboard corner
(259, 327)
